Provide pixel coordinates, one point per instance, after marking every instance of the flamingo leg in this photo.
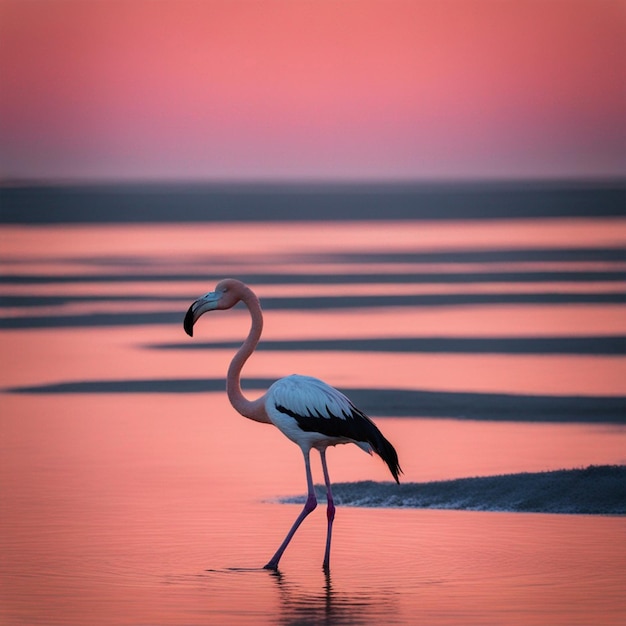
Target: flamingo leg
(330, 511)
(309, 505)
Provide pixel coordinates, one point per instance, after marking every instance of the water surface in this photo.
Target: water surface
(133, 494)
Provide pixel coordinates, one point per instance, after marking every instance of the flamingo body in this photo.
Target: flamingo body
(308, 411)
(313, 414)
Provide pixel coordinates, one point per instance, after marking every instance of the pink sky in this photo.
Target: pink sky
(223, 89)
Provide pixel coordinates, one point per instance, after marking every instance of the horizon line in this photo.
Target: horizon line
(470, 181)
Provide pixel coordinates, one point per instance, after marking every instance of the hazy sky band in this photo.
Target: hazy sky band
(229, 89)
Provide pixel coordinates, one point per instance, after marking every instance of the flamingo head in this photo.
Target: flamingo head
(226, 294)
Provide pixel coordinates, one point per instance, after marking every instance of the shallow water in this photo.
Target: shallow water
(155, 515)
(132, 496)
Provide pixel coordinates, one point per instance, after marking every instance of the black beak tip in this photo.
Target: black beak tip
(188, 323)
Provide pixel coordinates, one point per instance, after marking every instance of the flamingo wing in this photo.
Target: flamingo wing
(314, 414)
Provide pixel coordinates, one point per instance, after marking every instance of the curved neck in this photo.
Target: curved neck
(252, 409)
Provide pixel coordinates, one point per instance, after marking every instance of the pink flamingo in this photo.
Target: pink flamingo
(305, 409)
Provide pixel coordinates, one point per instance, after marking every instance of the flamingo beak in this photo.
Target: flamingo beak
(206, 303)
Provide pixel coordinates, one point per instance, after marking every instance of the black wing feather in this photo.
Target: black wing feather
(356, 426)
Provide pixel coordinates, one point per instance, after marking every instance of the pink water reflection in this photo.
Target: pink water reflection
(126, 502)
(146, 508)
(124, 353)
(275, 239)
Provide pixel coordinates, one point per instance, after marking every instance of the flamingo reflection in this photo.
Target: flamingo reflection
(302, 604)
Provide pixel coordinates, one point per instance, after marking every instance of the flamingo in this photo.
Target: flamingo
(305, 409)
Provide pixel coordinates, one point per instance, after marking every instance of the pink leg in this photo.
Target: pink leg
(330, 511)
(309, 505)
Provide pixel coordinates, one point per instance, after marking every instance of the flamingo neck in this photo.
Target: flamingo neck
(252, 409)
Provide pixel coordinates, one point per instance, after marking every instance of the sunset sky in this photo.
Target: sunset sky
(312, 89)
